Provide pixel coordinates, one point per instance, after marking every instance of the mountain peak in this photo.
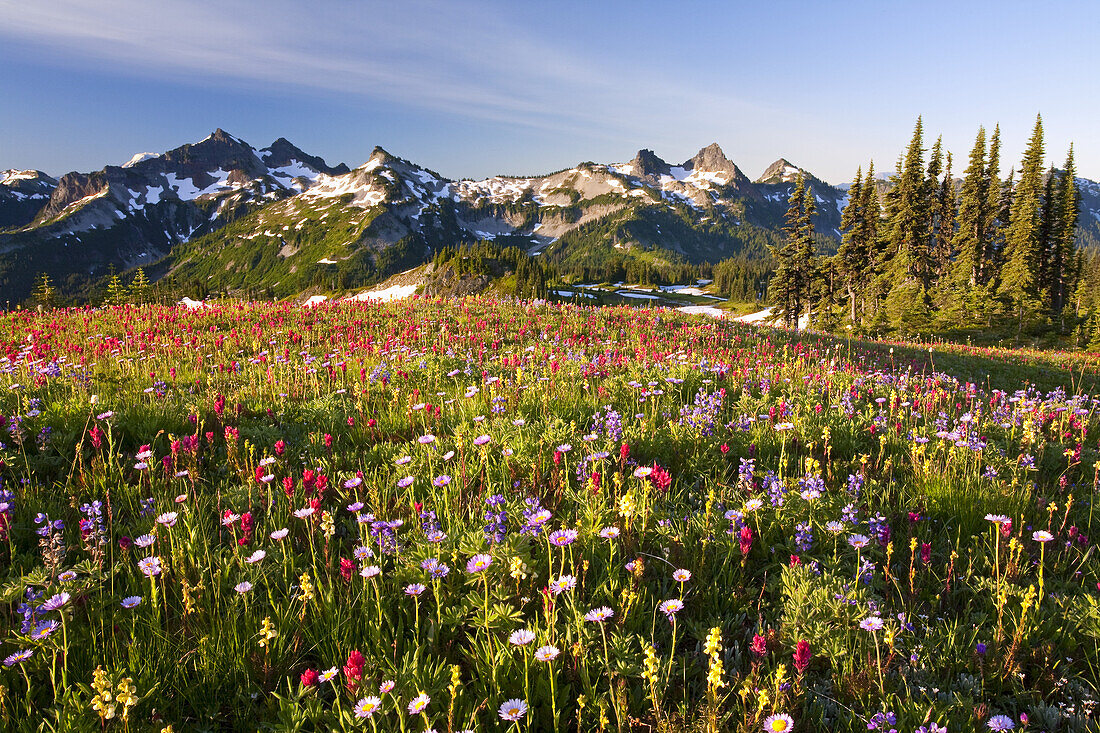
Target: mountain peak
(380, 157)
(647, 164)
(781, 171)
(282, 152)
(15, 177)
(221, 136)
(138, 158)
(711, 158)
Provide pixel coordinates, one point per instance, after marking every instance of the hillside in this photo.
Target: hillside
(220, 216)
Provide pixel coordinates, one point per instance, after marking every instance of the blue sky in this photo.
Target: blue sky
(477, 88)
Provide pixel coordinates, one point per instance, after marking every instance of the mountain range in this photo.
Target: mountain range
(222, 216)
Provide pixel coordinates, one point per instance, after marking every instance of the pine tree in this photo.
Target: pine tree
(1049, 208)
(852, 257)
(1064, 264)
(908, 226)
(795, 259)
(943, 226)
(1019, 287)
(908, 277)
(998, 227)
(999, 199)
(43, 293)
(139, 287)
(971, 228)
(871, 208)
(116, 293)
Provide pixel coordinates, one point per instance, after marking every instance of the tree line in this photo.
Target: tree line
(927, 253)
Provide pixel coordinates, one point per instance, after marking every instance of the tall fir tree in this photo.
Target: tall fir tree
(116, 291)
(907, 279)
(1049, 208)
(943, 223)
(908, 226)
(969, 242)
(1064, 262)
(44, 291)
(853, 254)
(999, 199)
(139, 287)
(795, 259)
(1019, 287)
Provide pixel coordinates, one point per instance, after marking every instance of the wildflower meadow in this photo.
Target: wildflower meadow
(482, 515)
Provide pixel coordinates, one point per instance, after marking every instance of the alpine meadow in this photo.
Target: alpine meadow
(471, 441)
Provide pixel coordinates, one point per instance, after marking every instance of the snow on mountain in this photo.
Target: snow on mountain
(138, 157)
(23, 193)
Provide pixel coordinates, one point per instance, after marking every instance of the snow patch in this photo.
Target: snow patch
(138, 157)
(758, 317)
(706, 310)
(293, 173)
(11, 176)
(396, 292)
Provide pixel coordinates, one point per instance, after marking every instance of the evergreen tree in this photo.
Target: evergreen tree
(116, 293)
(795, 260)
(935, 163)
(871, 209)
(971, 228)
(139, 287)
(44, 292)
(853, 255)
(908, 226)
(999, 200)
(1048, 221)
(998, 227)
(859, 256)
(908, 277)
(1019, 286)
(1064, 264)
(943, 225)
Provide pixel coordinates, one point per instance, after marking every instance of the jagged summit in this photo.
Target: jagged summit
(781, 171)
(287, 206)
(283, 153)
(221, 136)
(138, 158)
(647, 164)
(712, 160)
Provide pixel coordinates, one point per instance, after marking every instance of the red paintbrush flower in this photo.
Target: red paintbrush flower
(802, 656)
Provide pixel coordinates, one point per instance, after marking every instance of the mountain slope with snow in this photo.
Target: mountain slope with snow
(22, 195)
(233, 218)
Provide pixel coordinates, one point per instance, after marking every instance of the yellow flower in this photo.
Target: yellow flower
(517, 569)
(267, 632)
(650, 665)
(627, 507)
(456, 679)
(780, 674)
(713, 648)
(1029, 601)
(189, 596)
(127, 696)
(307, 588)
(328, 526)
(103, 701)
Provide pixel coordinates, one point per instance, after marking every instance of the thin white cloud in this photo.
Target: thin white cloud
(460, 59)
